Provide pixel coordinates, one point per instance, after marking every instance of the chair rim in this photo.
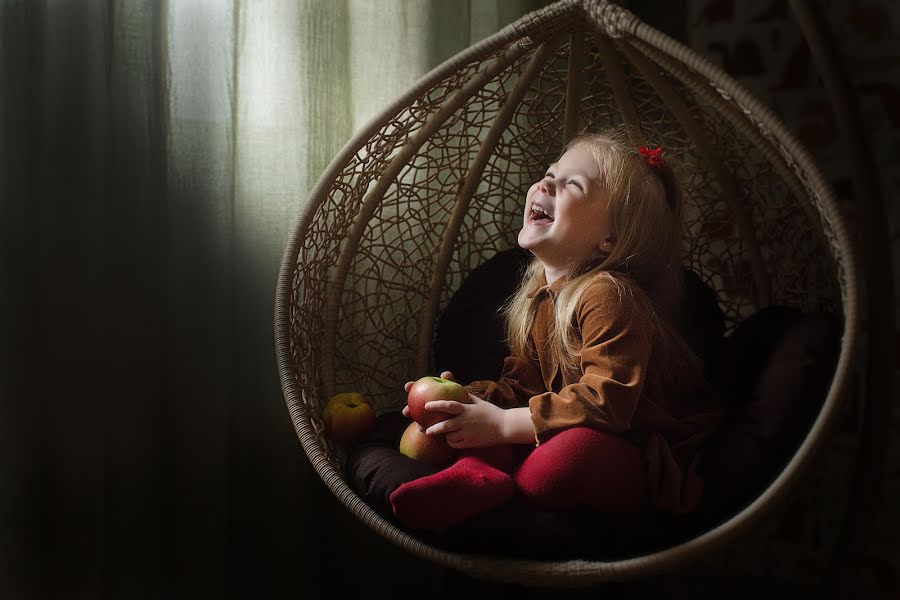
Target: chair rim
(617, 22)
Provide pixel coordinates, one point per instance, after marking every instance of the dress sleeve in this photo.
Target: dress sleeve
(520, 379)
(617, 334)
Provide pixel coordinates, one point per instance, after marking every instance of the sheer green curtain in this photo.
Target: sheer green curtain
(153, 158)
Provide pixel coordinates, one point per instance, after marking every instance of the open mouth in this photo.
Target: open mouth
(537, 216)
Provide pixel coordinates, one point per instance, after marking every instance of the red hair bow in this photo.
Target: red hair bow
(653, 157)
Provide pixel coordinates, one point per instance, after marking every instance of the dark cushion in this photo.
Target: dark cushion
(775, 371)
(747, 350)
(470, 333)
(375, 466)
(702, 321)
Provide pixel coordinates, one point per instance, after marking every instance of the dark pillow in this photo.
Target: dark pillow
(469, 338)
(702, 321)
(747, 350)
(776, 369)
(376, 468)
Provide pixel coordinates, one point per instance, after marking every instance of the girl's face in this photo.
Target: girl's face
(566, 212)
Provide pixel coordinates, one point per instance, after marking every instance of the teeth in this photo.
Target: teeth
(537, 208)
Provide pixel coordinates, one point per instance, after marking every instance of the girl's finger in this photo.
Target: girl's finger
(445, 426)
(407, 385)
(449, 406)
(447, 375)
(405, 411)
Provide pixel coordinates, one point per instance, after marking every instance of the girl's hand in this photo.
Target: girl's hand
(408, 384)
(476, 425)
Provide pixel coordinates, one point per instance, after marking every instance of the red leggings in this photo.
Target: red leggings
(576, 467)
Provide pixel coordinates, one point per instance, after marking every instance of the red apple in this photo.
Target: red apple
(432, 449)
(427, 389)
(348, 417)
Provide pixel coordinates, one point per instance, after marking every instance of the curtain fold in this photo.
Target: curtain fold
(154, 156)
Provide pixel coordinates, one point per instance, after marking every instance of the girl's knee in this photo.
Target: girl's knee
(581, 466)
(583, 443)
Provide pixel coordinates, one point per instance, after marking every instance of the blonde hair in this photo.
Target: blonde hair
(645, 206)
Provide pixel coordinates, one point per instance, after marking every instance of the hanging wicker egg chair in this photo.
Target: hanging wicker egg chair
(433, 186)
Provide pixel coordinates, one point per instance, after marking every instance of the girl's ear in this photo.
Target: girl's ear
(607, 245)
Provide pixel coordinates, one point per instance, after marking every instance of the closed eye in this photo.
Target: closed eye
(580, 187)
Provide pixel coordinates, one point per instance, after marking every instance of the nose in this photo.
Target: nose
(545, 185)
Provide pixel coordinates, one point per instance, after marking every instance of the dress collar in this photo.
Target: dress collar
(552, 289)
